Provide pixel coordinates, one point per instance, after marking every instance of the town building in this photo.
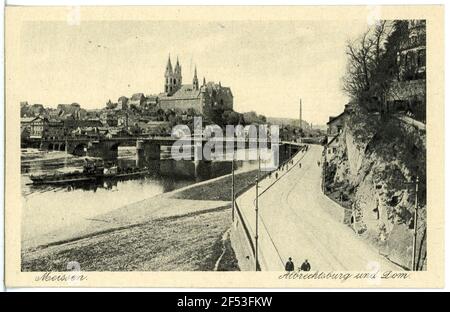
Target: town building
(64, 111)
(154, 127)
(335, 125)
(150, 103)
(408, 91)
(35, 126)
(123, 119)
(122, 103)
(55, 129)
(31, 110)
(196, 97)
(109, 118)
(71, 124)
(332, 147)
(335, 128)
(412, 56)
(136, 100)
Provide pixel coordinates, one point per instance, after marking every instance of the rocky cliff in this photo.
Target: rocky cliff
(373, 174)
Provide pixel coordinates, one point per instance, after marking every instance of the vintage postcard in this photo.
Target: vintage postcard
(278, 147)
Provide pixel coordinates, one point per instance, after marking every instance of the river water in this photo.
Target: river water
(47, 208)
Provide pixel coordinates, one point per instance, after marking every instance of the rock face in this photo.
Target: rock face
(374, 172)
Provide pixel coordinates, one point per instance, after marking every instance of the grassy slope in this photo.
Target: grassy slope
(183, 243)
(219, 190)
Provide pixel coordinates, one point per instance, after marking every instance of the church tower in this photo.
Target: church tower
(169, 79)
(195, 79)
(177, 76)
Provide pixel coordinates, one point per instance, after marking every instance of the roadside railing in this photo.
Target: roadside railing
(242, 218)
(246, 230)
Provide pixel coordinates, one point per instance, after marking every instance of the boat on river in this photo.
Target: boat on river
(94, 170)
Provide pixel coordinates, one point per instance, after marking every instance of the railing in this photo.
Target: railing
(243, 219)
(246, 230)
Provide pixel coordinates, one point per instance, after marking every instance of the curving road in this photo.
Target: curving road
(297, 220)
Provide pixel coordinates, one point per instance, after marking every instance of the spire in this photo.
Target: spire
(177, 68)
(169, 70)
(204, 81)
(195, 79)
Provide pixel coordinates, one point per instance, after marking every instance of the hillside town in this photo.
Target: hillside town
(145, 115)
(138, 114)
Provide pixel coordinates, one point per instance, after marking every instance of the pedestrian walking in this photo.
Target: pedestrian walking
(299, 165)
(305, 266)
(276, 175)
(289, 265)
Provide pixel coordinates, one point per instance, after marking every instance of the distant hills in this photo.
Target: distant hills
(293, 122)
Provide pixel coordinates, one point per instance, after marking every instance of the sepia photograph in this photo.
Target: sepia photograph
(217, 144)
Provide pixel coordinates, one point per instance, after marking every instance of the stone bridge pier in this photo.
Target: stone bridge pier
(147, 151)
(77, 148)
(103, 149)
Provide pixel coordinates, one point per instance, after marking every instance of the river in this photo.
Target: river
(47, 208)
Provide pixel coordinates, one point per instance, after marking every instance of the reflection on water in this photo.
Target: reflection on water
(46, 208)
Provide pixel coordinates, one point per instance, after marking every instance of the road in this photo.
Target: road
(297, 220)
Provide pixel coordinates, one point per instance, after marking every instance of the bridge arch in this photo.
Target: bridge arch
(115, 146)
(80, 149)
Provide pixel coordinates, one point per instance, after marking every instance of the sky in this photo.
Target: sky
(269, 65)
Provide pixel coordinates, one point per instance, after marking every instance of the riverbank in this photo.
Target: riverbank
(180, 230)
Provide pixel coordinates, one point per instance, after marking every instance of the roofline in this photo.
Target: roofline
(336, 117)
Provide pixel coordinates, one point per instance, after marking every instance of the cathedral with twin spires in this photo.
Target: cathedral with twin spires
(179, 96)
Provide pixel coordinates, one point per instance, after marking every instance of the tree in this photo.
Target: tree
(366, 79)
(215, 114)
(191, 112)
(110, 105)
(253, 118)
(233, 118)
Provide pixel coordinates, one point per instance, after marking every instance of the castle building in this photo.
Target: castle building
(408, 92)
(184, 97)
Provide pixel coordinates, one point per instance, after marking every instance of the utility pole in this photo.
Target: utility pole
(256, 226)
(416, 208)
(324, 169)
(300, 117)
(256, 214)
(259, 162)
(232, 188)
(300, 121)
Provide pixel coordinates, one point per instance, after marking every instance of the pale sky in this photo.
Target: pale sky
(268, 65)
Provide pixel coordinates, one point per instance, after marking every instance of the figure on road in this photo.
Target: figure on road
(289, 265)
(299, 165)
(305, 266)
(276, 175)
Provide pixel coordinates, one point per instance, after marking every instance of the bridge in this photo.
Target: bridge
(147, 148)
